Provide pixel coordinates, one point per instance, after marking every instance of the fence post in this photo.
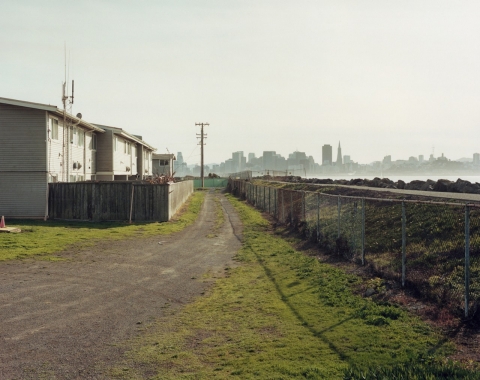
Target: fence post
(269, 196)
(467, 258)
(363, 231)
(131, 205)
(404, 243)
(283, 207)
(291, 207)
(275, 202)
(264, 199)
(318, 217)
(304, 206)
(338, 211)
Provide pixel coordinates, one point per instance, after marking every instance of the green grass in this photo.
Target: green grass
(219, 216)
(428, 369)
(42, 239)
(279, 315)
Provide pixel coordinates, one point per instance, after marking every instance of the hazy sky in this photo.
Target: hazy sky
(381, 76)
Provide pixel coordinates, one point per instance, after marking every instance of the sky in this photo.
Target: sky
(383, 77)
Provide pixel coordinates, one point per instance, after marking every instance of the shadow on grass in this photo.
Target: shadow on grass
(317, 333)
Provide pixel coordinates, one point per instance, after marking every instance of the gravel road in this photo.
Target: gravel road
(63, 320)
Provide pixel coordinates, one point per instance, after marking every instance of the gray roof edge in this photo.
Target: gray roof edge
(50, 108)
(22, 103)
(125, 134)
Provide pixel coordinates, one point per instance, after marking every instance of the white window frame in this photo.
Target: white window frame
(80, 137)
(53, 128)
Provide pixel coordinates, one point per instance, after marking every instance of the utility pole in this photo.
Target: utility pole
(201, 136)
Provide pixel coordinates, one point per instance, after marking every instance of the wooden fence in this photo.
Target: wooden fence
(116, 201)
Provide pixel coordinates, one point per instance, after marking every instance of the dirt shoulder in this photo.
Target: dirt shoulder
(66, 319)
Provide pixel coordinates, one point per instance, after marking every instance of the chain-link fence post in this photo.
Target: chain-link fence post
(269, 196)
(363, 231)
(304, 206)
(291, 207)
(264, 198)
(467, 258)
(338, 218)
(404, 242)
(318, 217)
(275, 202)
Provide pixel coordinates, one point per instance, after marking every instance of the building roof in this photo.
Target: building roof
(53, 109)
(126, 135)
(164, 156)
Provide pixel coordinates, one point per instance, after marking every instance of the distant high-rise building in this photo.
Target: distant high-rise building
(421, 158)
(251, 157)
(179, 166)
(387, 159)
(326, 154)
(237, 158)
(339, 155)
(476, 158)
(269, 160)
(346, 159)
(180, 157)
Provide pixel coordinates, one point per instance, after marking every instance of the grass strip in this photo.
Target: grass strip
(279, 315)
(45, 238)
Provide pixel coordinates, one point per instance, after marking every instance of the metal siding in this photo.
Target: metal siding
(105, 152)
(22, 137)
(23, 195)
(23, 167)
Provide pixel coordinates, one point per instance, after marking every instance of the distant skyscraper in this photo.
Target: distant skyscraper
(251, 156)
(326, 154)
(180, 158)
(476, 158)
(237, 158)
(339, 155)
(269, 160)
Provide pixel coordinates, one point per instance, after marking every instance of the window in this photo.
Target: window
(163, 162)
(115, 142)
(81, 137)
(127, 148)
(73, 135)
(93, 142)
(54, 129)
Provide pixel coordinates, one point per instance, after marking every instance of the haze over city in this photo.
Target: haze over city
(384, 78)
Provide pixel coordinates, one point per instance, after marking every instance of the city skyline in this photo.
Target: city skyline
(301, 164)
(385, 78)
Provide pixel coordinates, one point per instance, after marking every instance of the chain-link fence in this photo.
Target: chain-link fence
(432, 247)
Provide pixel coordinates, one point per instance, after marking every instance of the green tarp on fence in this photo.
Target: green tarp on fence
(210, 182)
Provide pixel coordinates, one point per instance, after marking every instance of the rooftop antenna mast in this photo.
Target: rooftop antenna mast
(67, 101)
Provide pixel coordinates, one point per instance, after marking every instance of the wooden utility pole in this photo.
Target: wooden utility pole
(202, 136)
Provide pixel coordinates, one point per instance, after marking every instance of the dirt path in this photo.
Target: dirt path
(62, 320)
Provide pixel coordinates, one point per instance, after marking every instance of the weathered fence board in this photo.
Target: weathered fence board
(116, 201)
